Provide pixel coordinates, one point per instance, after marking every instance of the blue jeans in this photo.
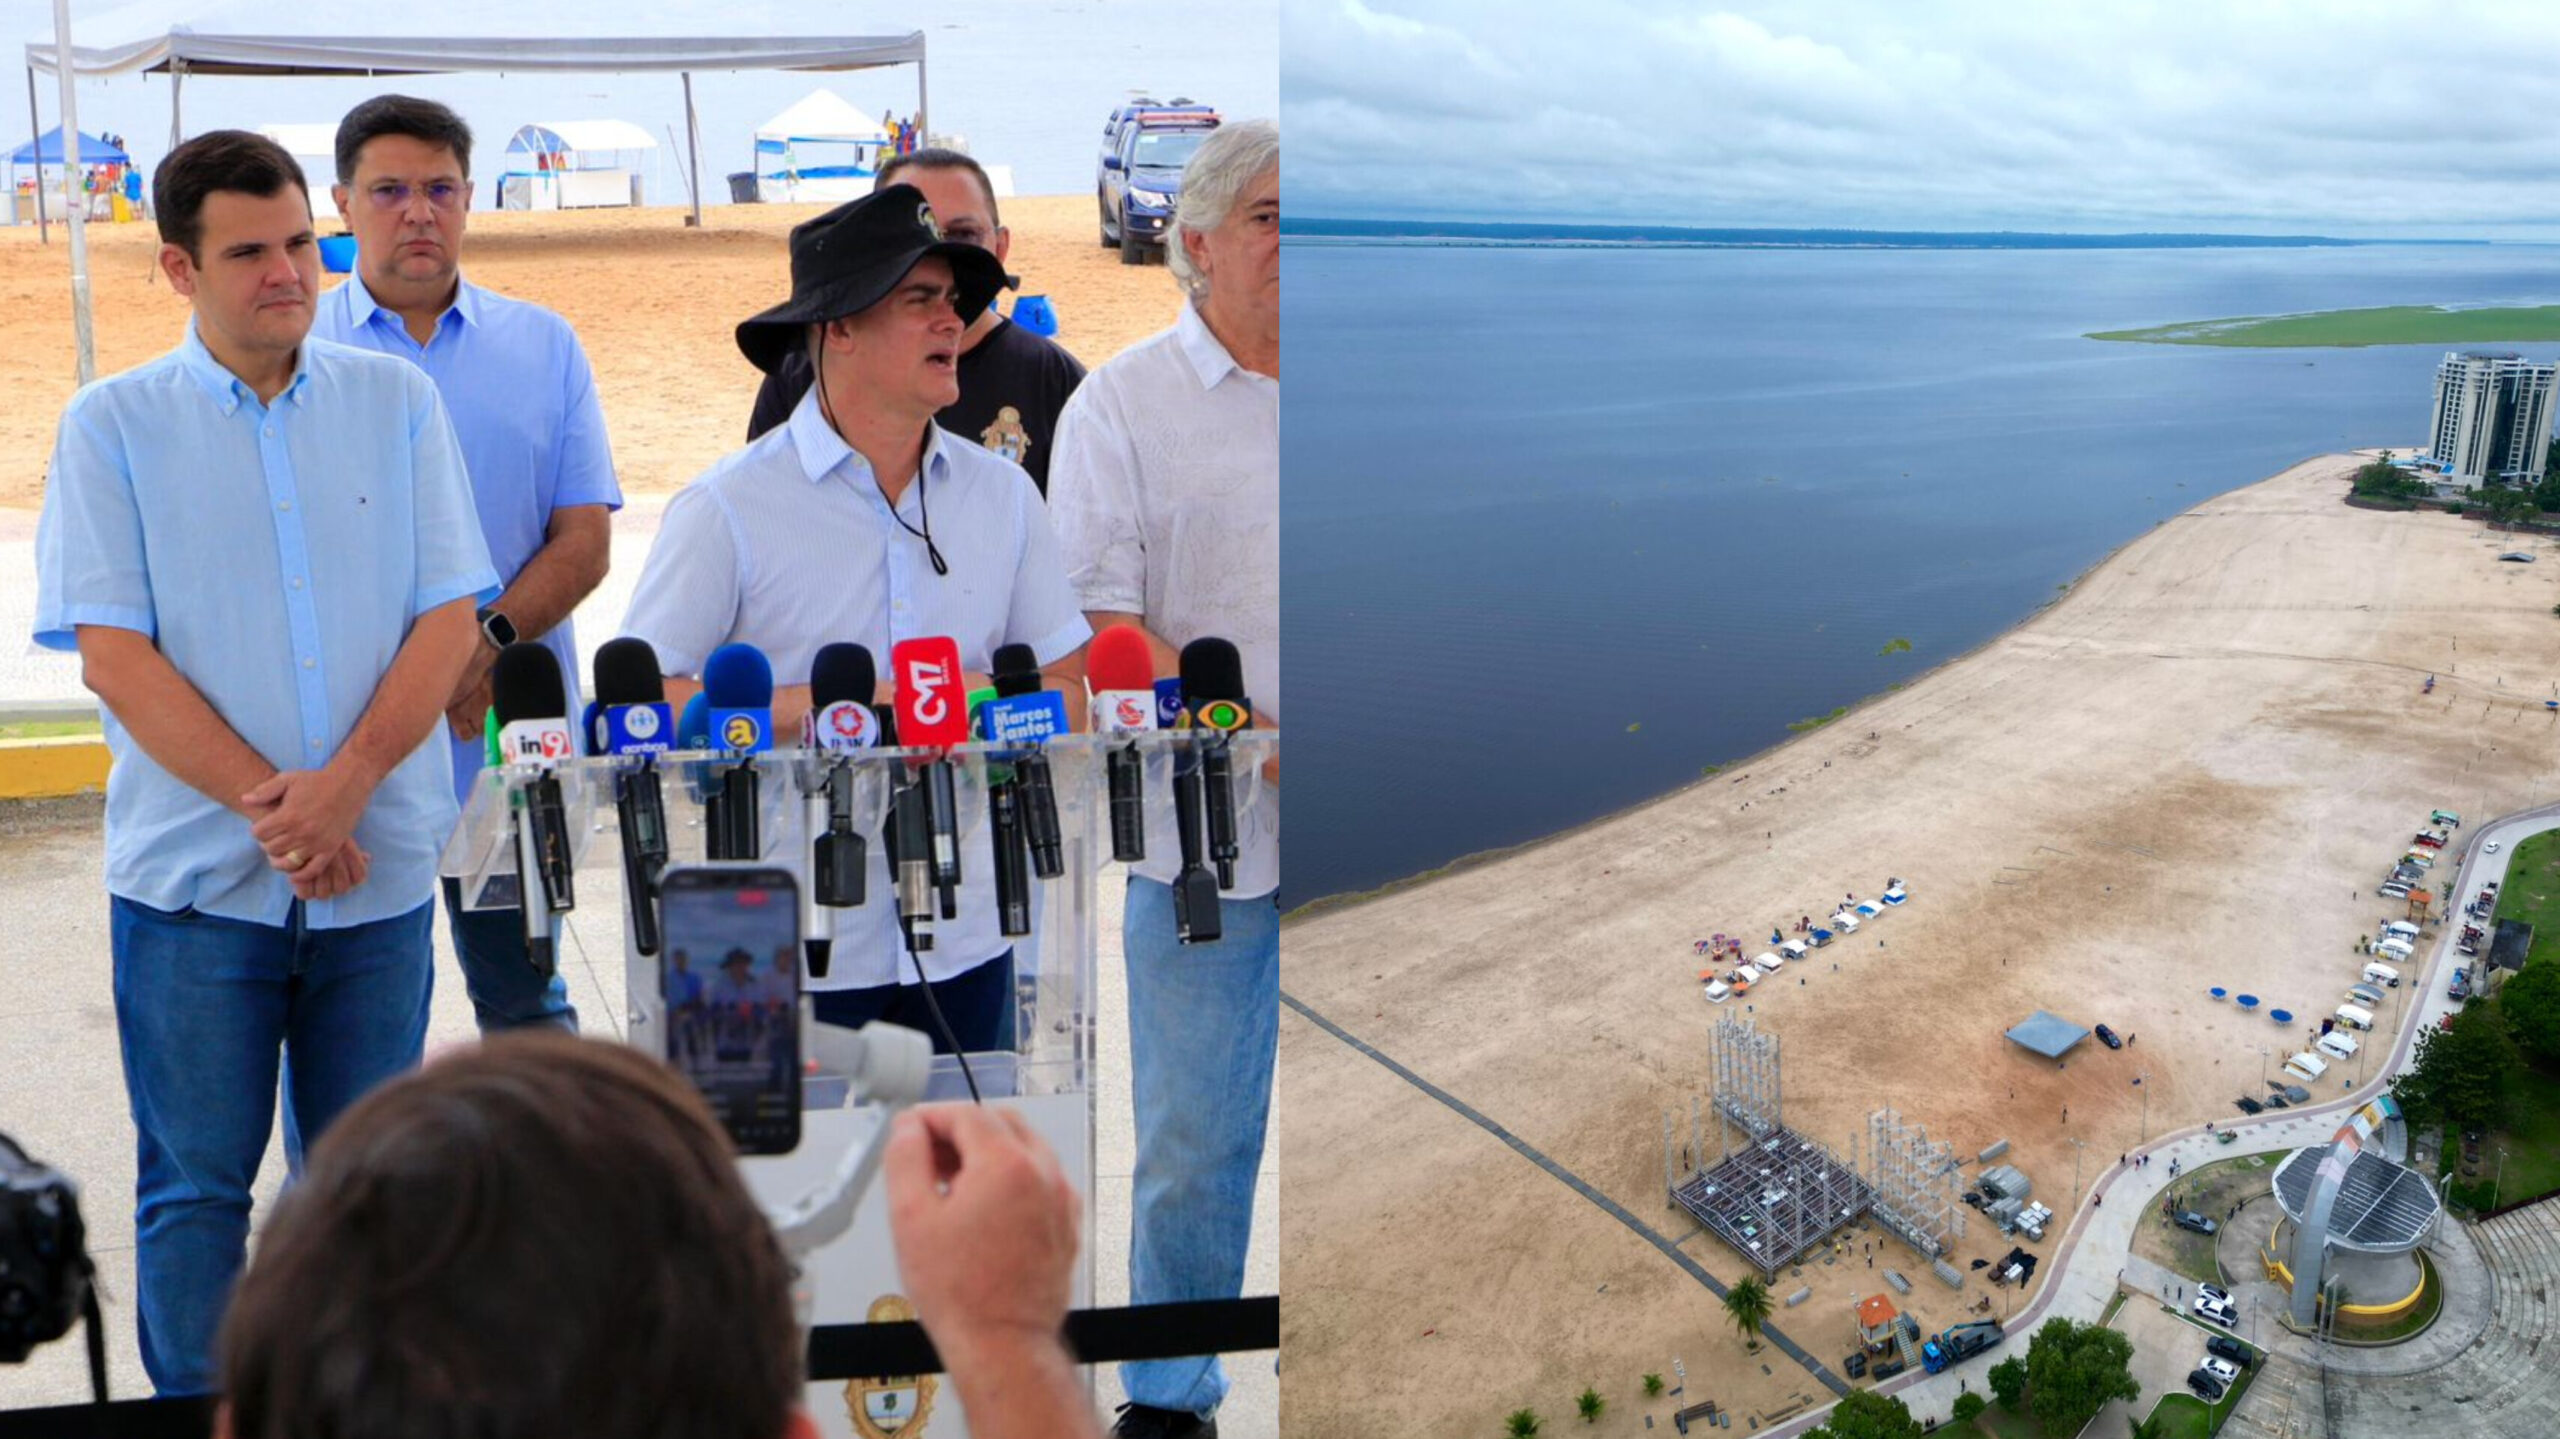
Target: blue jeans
(203, 1006)
(978, 1003)
(507, 992)
(1204, 1029)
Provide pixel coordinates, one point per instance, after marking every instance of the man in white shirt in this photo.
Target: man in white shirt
(1165, 487)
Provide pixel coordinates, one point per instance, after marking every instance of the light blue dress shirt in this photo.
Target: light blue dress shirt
(523, 401)
(787, 545)
(277, 555)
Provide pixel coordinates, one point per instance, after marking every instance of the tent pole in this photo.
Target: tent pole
(924, 128)
(35, 127)
(693, 146)
(177, 82)
(73, 207)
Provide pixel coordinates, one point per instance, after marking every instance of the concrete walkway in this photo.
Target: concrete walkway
(2094, 1256)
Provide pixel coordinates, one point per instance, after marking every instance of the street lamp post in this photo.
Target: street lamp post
(2262, 1066)
(2499, 1185)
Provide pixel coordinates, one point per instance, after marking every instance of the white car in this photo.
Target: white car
(2220, 1311)
(2490, 848)
(2214, 1292)
(2222, 1369)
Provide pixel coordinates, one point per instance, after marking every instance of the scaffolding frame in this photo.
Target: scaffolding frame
(1744, 1063)
(1780, 1194)
(1915, 1186)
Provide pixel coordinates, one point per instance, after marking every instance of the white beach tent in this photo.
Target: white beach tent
(573, 165)
(315, 148)
(821, 149)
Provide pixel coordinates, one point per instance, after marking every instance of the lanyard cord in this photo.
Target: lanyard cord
(932, 551)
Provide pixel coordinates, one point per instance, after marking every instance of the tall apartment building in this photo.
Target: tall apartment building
(2492, 418)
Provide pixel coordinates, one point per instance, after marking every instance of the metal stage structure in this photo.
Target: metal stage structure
(1916, 1186)
(1779, 1194)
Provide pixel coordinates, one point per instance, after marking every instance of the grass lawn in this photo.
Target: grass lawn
(2390, 325)
(2532, 1141)
(2531, 893)
(49, 729)
(2184, 1416)
(2211, 1190)
(1999, 1421)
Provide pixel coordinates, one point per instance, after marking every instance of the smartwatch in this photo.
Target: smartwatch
(500, 630)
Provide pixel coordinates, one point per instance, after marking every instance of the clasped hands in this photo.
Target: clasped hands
(305, 820)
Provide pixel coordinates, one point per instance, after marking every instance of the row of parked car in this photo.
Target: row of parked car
(1738, 980)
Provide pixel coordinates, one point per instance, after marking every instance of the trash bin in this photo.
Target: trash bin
(742, 187)
(338, 253)
(1034, 313)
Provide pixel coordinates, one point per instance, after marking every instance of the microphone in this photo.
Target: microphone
(737, 695)
(1026, 713)
(840, 722)
(530, 705)
(630, 717)
(1121, 671)
(909, 833)
(933, 714)
(1005, 838)
(1213, 693)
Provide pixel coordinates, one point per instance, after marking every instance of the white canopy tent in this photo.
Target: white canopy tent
(236, 37)
(824, 150)
(572, 165)
(309, 144)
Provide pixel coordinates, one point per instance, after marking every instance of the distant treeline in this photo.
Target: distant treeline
(1520, 233)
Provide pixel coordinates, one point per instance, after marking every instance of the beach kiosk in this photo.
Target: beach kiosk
(102, 167)
(574, 165)
(821, 150)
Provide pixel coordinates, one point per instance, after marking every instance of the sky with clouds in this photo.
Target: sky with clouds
(2384, 117)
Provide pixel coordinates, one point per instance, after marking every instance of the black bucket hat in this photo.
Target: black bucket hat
(849, 259)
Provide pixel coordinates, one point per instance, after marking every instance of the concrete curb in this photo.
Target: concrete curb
(52, 768)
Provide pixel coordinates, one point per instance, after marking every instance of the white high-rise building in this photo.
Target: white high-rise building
(2492, 418)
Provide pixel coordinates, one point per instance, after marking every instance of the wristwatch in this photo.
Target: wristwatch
(500, 630)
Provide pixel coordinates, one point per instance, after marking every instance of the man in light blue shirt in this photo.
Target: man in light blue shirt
(523, 402)
(859, 520)
(261, 546)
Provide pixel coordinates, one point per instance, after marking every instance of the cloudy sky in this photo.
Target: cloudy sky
(2384, 117)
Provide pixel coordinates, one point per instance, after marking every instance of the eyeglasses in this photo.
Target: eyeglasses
(396, 194)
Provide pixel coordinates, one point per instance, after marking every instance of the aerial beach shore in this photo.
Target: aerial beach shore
(2189, 771)
(653, 302)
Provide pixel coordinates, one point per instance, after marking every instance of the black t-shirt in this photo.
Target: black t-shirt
(1013, 383)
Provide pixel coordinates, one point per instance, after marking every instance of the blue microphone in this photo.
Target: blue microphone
(1169, 710)
(737, 695)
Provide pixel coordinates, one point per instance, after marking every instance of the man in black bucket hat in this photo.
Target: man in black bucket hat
(860, 520)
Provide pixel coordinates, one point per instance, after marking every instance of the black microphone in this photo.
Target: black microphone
(531, 704)
(908, 832)
(841, 681)
(1025, 710)
(631, 717)
(1012, 858)
(1213, 697)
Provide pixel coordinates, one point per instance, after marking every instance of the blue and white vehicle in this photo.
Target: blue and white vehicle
(1145, 144)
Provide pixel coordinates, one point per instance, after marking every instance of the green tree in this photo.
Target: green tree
(2465, 1075)
(1969, 1407)
(2073, 1369)
(1521, 1424)
(1652, 1386)
(2531, 1003)
(1590, 1403)
(1747, 1305)
(2009, 1381)
(1865, 1414)
(2154, 1427)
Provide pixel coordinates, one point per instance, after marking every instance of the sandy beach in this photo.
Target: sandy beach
(654, 303)
(2189, 771)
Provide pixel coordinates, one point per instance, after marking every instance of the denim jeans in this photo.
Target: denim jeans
(507, 992)
(1204, 1028)
(978, 1004)
(203, 1007)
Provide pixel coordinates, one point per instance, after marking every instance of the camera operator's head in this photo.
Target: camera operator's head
(539, 1236)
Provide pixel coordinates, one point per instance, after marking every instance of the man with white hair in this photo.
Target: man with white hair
(1165, 488)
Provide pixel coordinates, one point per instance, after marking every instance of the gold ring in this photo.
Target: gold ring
(293, 859)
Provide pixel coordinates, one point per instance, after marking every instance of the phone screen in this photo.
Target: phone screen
(729, 970)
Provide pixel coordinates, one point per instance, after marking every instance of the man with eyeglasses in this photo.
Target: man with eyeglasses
(523, 401)
(861, 520)
(1013, 383)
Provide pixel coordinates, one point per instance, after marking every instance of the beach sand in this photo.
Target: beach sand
(654, 303)
(2192, 770)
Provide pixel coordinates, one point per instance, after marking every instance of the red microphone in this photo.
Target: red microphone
(1120, 669)
(933, 713)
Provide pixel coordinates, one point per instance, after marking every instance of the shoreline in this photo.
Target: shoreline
(2185, 772)
(1735, 771)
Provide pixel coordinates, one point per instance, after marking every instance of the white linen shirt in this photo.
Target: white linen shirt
(1165, 488)
(787, 545)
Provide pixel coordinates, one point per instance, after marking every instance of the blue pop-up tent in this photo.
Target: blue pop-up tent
(47, 150)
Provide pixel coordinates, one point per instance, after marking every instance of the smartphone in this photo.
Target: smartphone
(729, 975)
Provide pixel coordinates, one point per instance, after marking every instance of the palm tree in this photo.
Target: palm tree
(1747, 1304)
(1653, 1382)
(2154, 1427)
(1522, 1424)
(1590, 1403)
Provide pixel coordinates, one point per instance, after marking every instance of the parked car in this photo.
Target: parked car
(2108, 1038)
(2490, 848)
(2214, 1292)
(2205, 1387)
(2223, 1346)
(2189, 1220)
(2222, 1369)
(2297, 1094)
(1139, 176)
(2220, 1311)
(2250, 1106)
